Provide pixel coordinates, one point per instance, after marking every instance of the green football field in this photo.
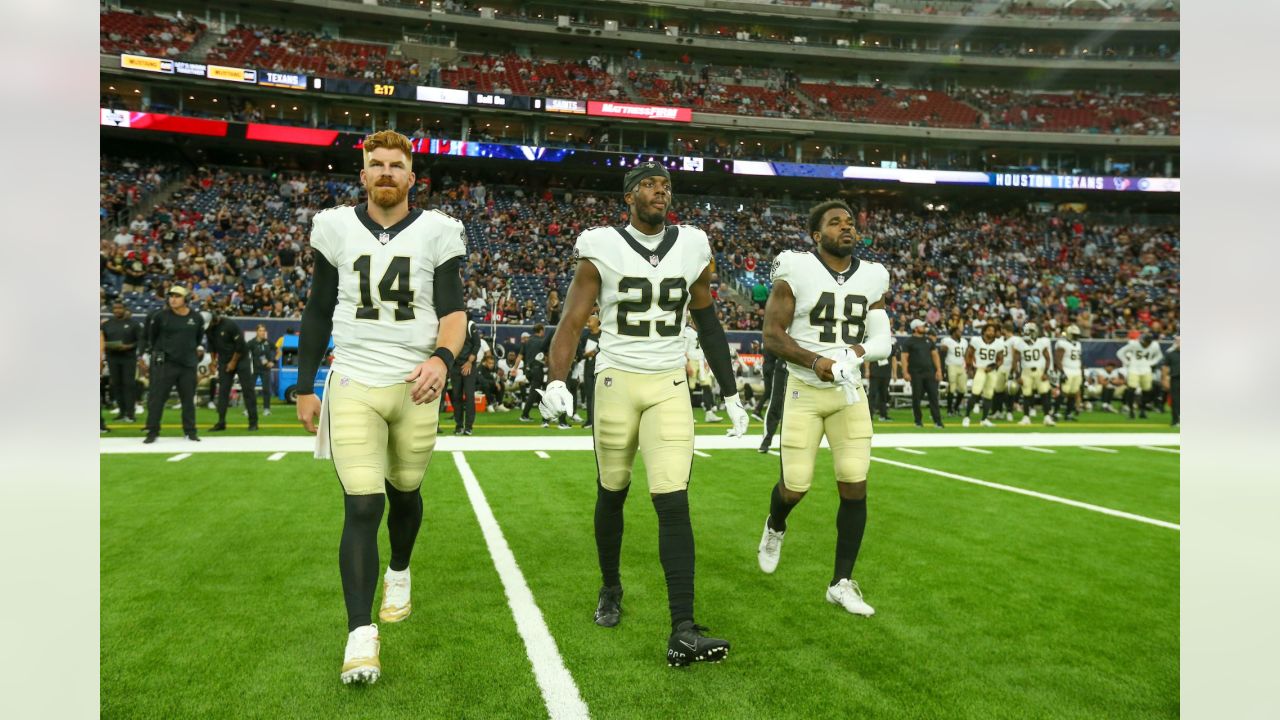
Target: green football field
(220, 593)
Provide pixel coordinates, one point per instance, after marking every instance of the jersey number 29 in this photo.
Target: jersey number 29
(673, 292)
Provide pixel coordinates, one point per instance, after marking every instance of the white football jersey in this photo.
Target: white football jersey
(1139, 359)
(1071, 354)
(831, 307)
(1096, 376)
(1033, 355)
(1118, 374)
(954, 350)
(644, 293)
(985, 354)
(692, 348)
(1006, 365)
(385, 321)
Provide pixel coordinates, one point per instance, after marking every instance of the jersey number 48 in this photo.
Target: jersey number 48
(852, 327)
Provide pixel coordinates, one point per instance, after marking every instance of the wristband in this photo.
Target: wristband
(444, 354)
(813, 366)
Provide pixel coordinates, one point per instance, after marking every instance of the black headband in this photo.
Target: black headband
(642, 171)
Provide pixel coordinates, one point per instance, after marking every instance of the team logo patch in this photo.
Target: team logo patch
(344, 381)
(795, 394)
(384, 238)
(608, 382)
(577, 253)
(653, 260)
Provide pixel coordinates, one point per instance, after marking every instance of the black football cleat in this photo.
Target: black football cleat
(193, 437)
(688, 645)
(253, 427)
(609, 609)
(150, 438)
(765, 444)
(218, 427)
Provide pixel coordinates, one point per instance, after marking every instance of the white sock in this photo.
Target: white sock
(397, 574)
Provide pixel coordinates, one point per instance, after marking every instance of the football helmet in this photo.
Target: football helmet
(1073, 331)
(1030, 331)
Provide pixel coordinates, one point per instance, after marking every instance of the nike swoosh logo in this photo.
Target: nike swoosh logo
(676, 382)
(691, 646)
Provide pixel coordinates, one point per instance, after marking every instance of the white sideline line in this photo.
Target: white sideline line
(542, 455)
(1033, 448)
(775, 452)
(975, 450)
(179, 457)
(559, 692)
(1034, 494)
(1098, 449)
(909, 450)
(275, 456)
(1160, 449)
(699, 453)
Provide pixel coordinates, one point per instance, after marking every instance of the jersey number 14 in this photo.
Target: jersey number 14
(393, 288)
(852, 327)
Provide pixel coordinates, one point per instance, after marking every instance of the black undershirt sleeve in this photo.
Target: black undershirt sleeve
(317, 323)
(715, 346)
(446, 293)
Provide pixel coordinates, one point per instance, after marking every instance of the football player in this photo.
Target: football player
(825, 317)
(955, 349)
(1003, 400)
(1139, 357)
(387, 284)
(1031, 364)
(645, 277)
(699, 373)
(1066, 357)
(985, 354)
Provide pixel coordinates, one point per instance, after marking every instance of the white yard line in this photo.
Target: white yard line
(542, 455)
(975, 450)
(775, 452)
(1033, 448)
(1032, 493)
(909, 450)
(1099, 449)
(275, 456)
(559, 692)
(179, 457)
(1160, 449)
(699, 453)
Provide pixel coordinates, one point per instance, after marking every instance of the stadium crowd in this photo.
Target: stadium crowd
(238, 240)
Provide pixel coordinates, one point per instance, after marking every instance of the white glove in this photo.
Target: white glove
(737, 415)
(556, 400)
(846, 372)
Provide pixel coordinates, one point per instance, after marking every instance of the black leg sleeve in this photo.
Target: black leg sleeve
(358, 556)
(609, 525)
(675, 549)
(851, 523)
(403, 521)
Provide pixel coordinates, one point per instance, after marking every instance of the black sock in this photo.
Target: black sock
(609, 532)
(675, 548)
(779, 509)
(358, 556)
(851, 522)
(1046, 401)
(986, 408)
(403, 521)
(1071, 406)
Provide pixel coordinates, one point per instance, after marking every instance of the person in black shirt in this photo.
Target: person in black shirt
(120, 336)
(226, 341)
(263, 355)
(775, 389)
(1172, 367)
(462, 382)
(172, 334)
(923, 369)
(532, 356)
(881, 374)
(492, 382)
(588, 348)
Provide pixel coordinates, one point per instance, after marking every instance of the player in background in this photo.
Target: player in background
(386, 283)
(984, 355)
(1139, 356)
(1003, 398)
(1032, 365)
(825, 317)
(955, 348)
(699, 373)
(1067, 353)
(644, 277)
(1117, 382)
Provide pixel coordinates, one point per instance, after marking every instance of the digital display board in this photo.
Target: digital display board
(162, 122)
(290, 81)
(560, 105)
(149, 64)
(368, 88)
(507, 102)
(448, 96)
(240, 75)
(639, 112)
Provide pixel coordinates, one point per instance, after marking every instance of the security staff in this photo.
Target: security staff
(775, 389)
(532, 357)
(121, 335)
(263, 354)
(172, 334)
(881, 374)
(462, 382)
(923, 369)
(229, 352)
(588, 348)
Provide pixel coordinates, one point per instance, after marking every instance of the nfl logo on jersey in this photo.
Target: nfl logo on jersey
(608, 382)
(653, 260)
(384, 238)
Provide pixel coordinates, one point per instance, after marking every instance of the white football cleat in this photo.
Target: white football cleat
(1049, 421)
(965, 421)
(266, 411)
(1031, 412)
(848, 595)
(360, 664)
(1026, 420)
(1008, 416)
(988, 423)
(395, 596)
(712, 417)
(770, 548)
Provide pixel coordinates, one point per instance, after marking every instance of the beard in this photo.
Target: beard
(834, 247)
(651, 216)
(387, 196)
